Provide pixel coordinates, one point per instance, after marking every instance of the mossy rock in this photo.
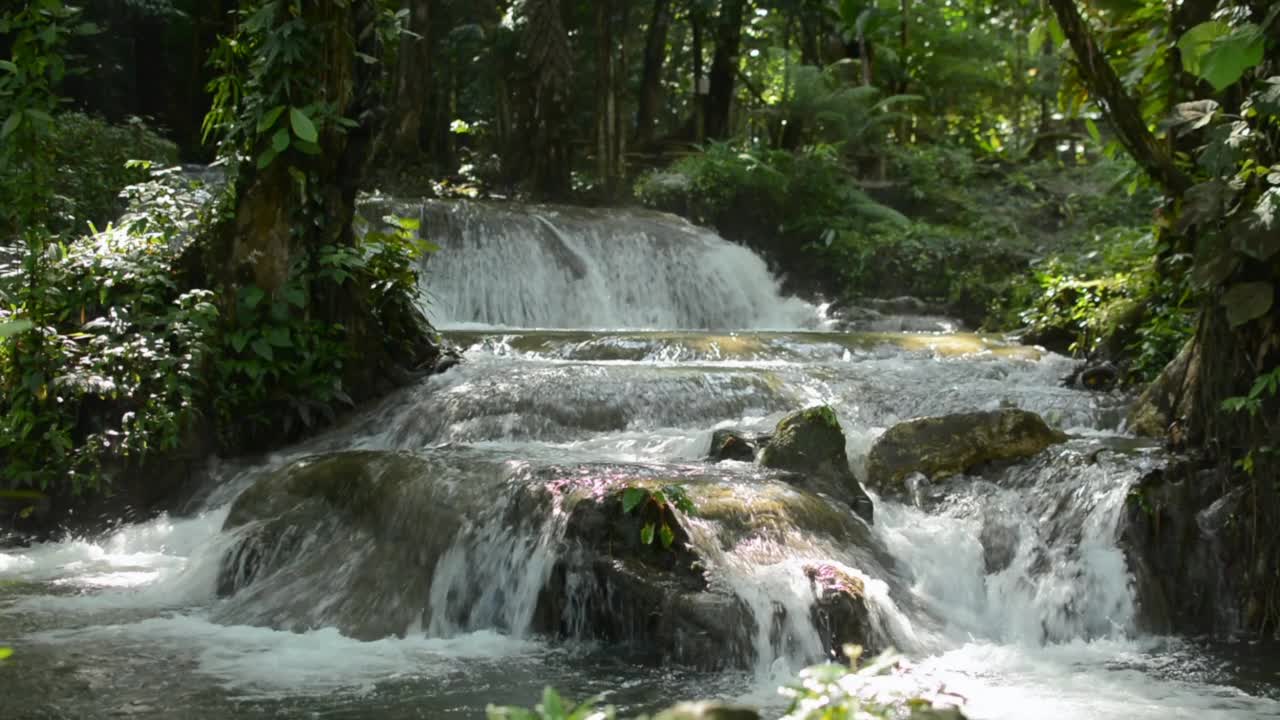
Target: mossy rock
(949, 445)
(810, 444)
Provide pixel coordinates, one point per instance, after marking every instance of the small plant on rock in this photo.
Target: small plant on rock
(664, 501)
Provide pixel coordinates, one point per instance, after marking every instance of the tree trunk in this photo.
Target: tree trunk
(655, 56)
(699, 99)
(276, 225)
(413, 73)
(605, 160)
(546, 48)
(724, 68)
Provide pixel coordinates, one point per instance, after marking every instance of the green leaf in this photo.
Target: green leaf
(13, 327)
(1094, 133)
(280, 141)
(268, 119)
(1055, 31)
(552, 705)
(295, 297)
(1035, 40)
(39, 116)
(646, 534)
(239, 340)
(279, 337)
(667, 535)
(1247, 301)
(263, 349)
(1196, 43)
(302, 126)
(8, 66)
(1220, 53)
(6, 653)
(11, 125)
(1232, 56)
(266, 159)
(251, 296)
(632, 498)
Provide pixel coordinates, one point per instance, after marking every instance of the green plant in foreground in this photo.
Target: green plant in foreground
(670, 496)
(822, 692)
(554, 707)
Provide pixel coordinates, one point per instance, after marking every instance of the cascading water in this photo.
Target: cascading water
(562, 267)
(448, 555)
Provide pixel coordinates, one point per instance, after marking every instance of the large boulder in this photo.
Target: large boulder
(367, 526)
(810, 445)
(949, 445)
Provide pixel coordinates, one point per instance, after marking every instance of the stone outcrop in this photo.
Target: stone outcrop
(949, 445)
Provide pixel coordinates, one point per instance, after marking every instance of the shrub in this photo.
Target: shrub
(93, 161)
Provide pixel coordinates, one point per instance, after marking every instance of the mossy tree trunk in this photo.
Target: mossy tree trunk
(286, 213)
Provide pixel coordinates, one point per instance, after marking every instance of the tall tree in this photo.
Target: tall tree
(550, 67)
(413, 73)
(724, 67)
(655, 57)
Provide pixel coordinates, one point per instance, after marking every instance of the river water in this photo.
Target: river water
(614, 343)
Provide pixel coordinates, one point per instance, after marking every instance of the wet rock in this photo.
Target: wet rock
(840, 610)
(810, 444)
(447, 360)
(999, 537)
(1168, 397)
(952, 444)
(367, 526)
(1099, 377)
(1188, 544)
(708, 711)
(654, 602)
(733, 445)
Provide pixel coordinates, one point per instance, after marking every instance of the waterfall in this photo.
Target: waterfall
(561, 267)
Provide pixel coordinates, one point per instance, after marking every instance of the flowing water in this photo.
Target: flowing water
(604, 348)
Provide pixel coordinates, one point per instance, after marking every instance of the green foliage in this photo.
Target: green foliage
(799, 189)
(268, 101)
(96, 161)
(1113, 300)
(113, 369)
(37, 35)
(662, 502)
(285, 366)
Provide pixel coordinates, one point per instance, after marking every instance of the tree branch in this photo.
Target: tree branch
(1121, 109)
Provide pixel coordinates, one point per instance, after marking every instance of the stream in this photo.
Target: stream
(607, 346)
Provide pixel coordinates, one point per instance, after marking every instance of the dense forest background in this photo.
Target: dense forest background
(1100, 175)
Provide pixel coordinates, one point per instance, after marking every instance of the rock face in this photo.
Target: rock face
(840, 610)
(953, 444)
(1189, 550)
(733, 445)
(810, 444)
